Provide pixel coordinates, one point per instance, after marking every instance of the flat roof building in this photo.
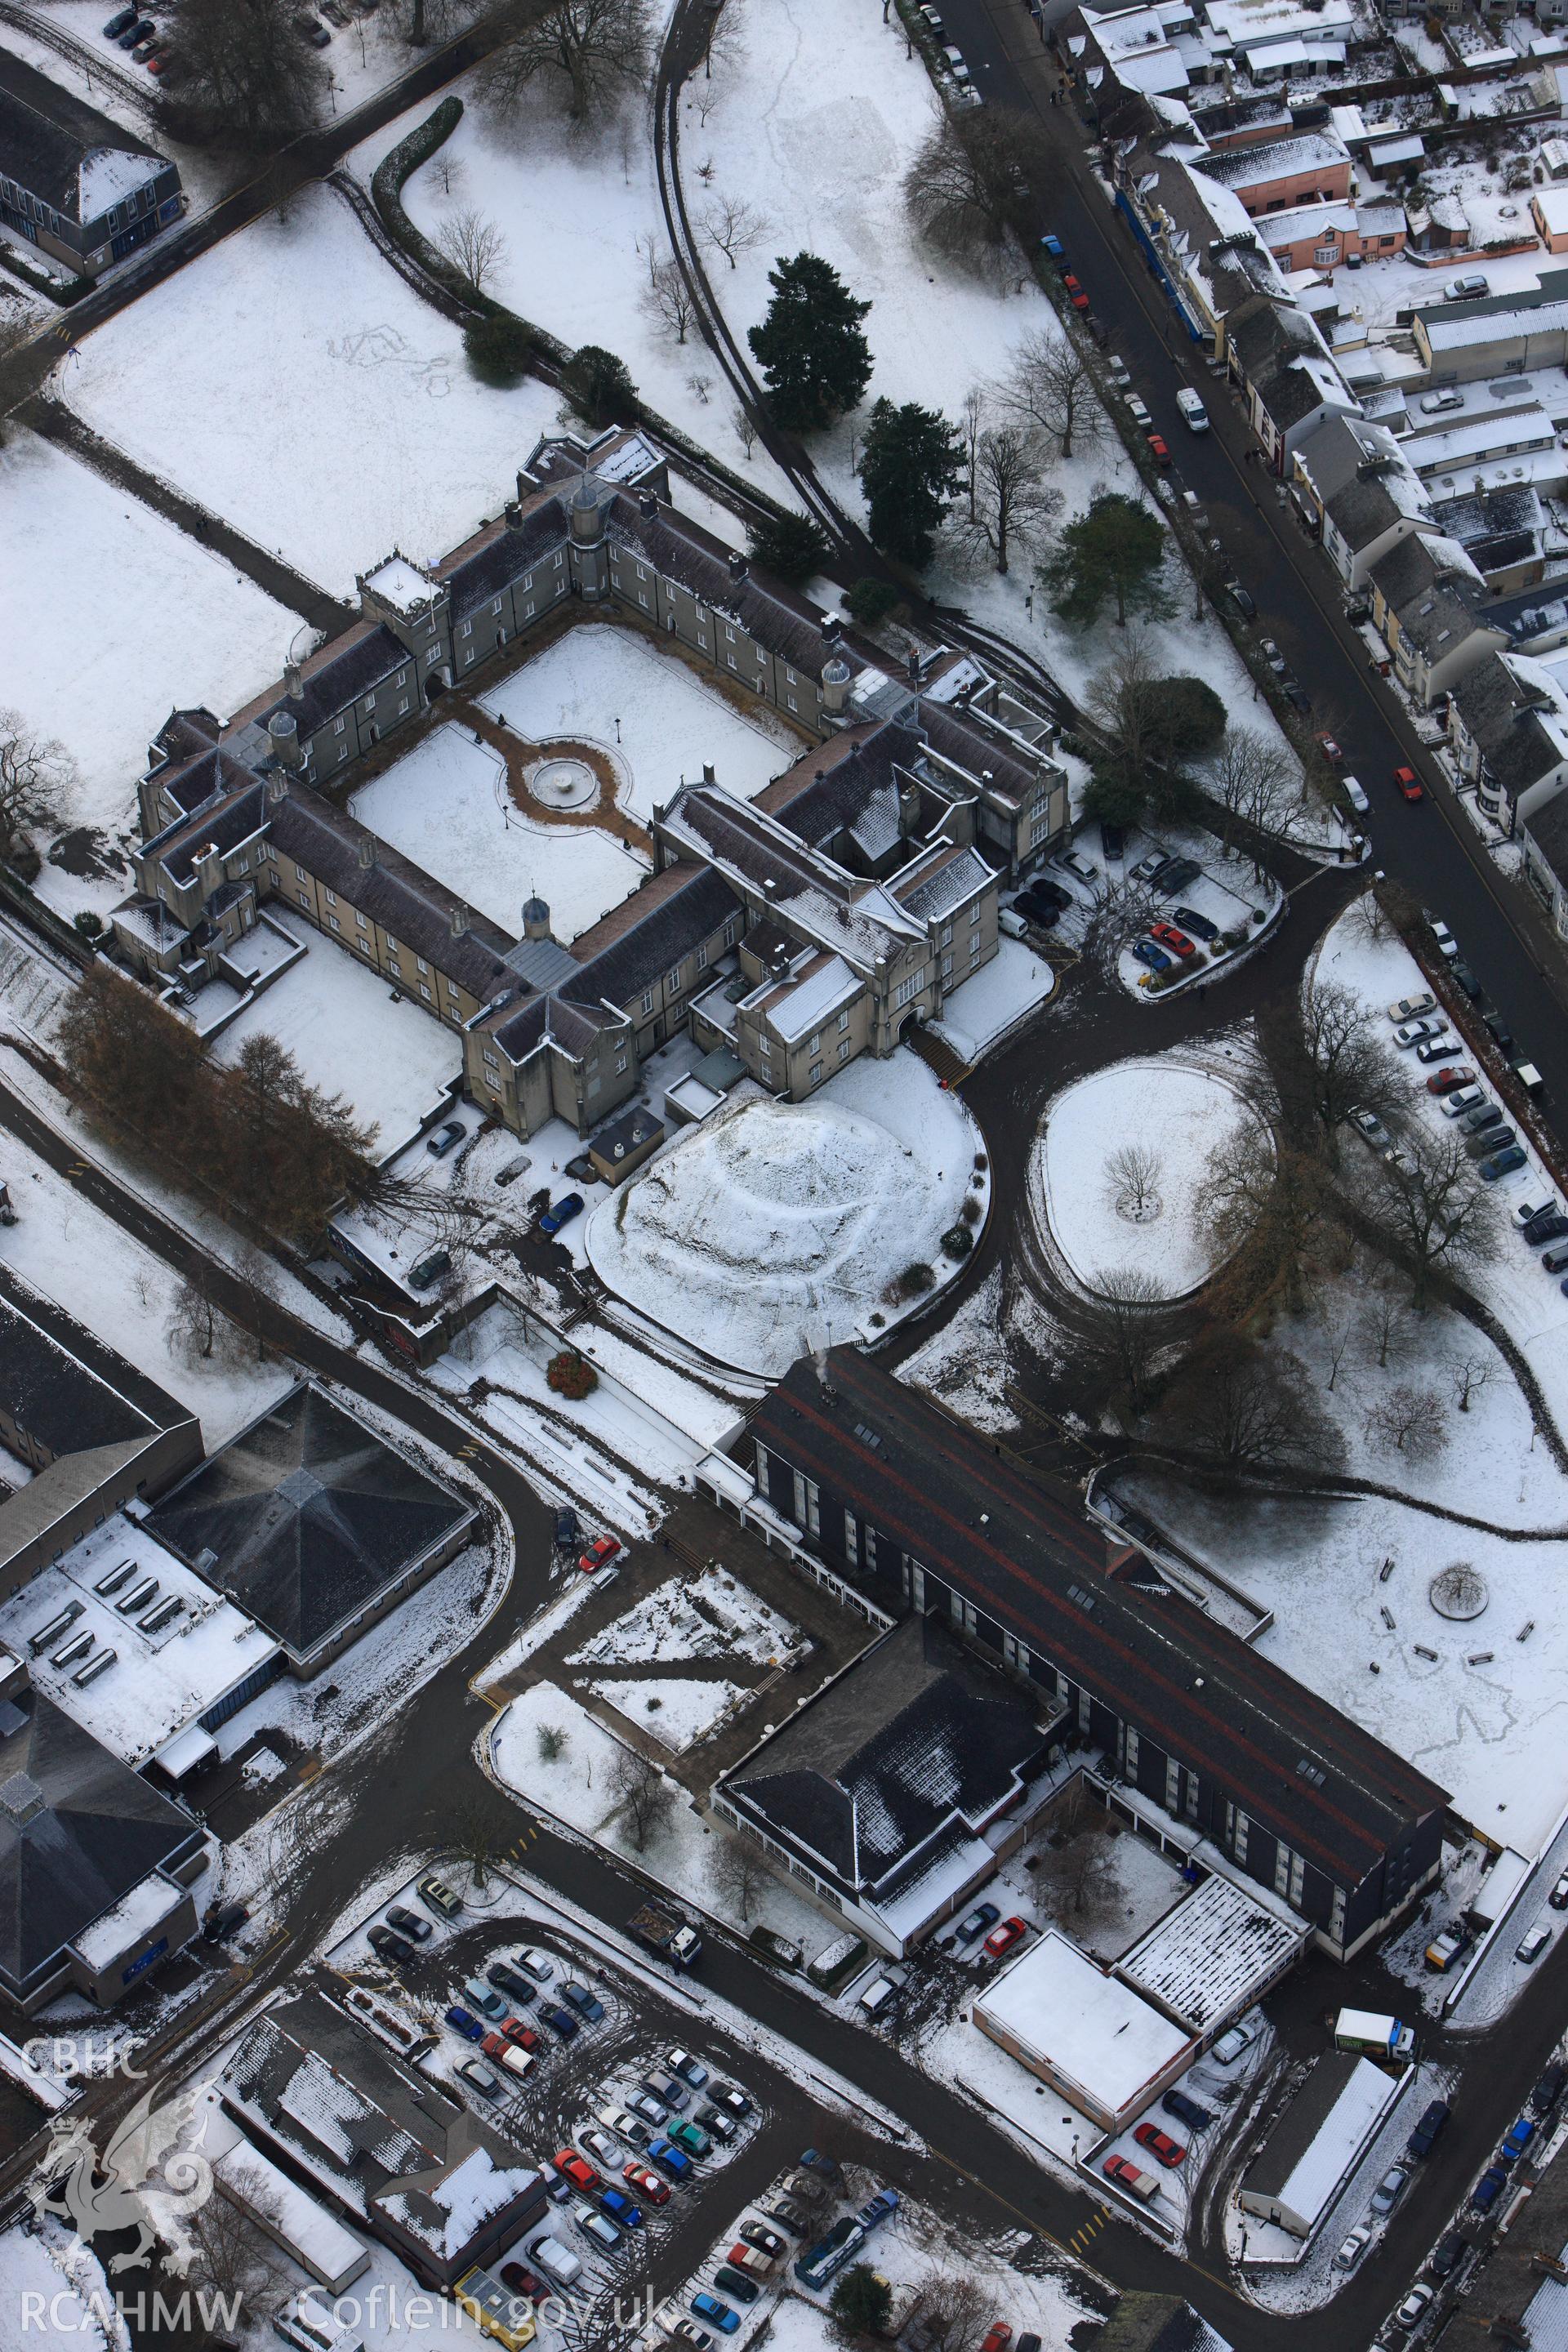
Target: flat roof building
(1108, 2052)
(1311, 2151)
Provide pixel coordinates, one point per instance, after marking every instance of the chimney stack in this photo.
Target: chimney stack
(832, 629)
(708, 775)
(738, 567)
(647, 506)
(513, 513)
(367, 850)
(293, 682)
(459, 921)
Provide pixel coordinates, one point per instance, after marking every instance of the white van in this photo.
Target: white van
(557, 2261)
(877, 1996)
(1356, 797)
(1195, 415)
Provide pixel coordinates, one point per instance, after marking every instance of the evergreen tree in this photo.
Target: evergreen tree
(499, 349)
(810, 346)
(1116, 549)
(861, 2303)
(599, 386)
(788, 544)
(909, 469)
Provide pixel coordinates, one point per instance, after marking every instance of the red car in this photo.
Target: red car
(523, 2281)
(1159, 449)
(1003, 1938)
(649, 2186)
(1330, 750)
(1169, 937)
(998, 2335)
(1160, 2144)
(1127, 2176)
(599, 1554)
(1409, 784)
(1447, 1082)
(1078, 300)
(577, 2170)
(523, 2035)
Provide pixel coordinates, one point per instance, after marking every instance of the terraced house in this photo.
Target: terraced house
(870, 869)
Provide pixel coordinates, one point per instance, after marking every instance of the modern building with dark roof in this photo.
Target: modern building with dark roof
(82, 189)
(402, 2158)
(94, 1430)
(901, 1500)
(880, 1790)
(95, 1865)
(313, 1525)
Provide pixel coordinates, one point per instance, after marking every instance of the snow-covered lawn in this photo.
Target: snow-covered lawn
(391, 1063)
(573, 1786)
(446, 807)
(710, 1616)
(332, 417)
(1002, 995)
(678, 1710)
(648, 710)
(1106, 1219)
(774, 1226)
(126, 1296)
(916, 2248)
(180, 627)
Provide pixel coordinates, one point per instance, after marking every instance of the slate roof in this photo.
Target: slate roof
(64, 1387)
(478, 572)
(222, 823)
(99, 1831)
(310, 1517)
(47, 135)
(1435, 601)
(922, 1481)
(345, 668)
(915, 1739)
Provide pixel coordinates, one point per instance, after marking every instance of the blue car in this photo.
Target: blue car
(707, 2306)
(1501, 1163)
(461, 2022)
(561, 2022)
(1488, 2188)
(619, 2208)
(569, 1206)
(670, 2159)
(975, 1923)
(1518, 2140)
(879, 2209)
(1155, 957)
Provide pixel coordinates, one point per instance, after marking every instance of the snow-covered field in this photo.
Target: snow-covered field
(1109, 1219)
(773, 1227)
(446, 807)
(709, 1616)
(97, 1272)
(611, 685)
(391, 1063)
(334, 414)
(678, 1710)
(180, 627)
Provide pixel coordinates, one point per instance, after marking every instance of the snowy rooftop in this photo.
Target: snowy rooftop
(400, 585)
(821, 990)
(1506, 430)
(171, 1662)
(130, 1923)
(1091, 2032)
(1316, 2172)
(1212, 1955)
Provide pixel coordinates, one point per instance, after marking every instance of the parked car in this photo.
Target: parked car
(975, 1923)
(766, 2240)
(483, 1998)
(735, 2102)
(1112, 841)
(785, 2213)
(568, 1529)
(1160, 2144)
(1230, 2044)
(479, 2077)
(1140, 411)
(1447, 945)
(1329, 750)
(120, 21)
(1433, 2121)
(600, 1553)
(599, 2144)
(597, 2227)
(998, 2337)
(1117, 372)
(439, 1896)
(390, 1945)
(577, 2170)
(730, 2281)
(625, 2125)
(1409, 785)
(672, 2094)
(1458, 1073)
(1502, 1164)
(1518, 2140)
(1494, 1140)
(1446, 2254)
(505, 2053)
(652, 2110)
(1241, 598)
(523, 2281)
(1436, 1049)
(1127, 2176)
(1175, 875)
(507, 1979)
(1548, 2090)
(1489, 2187)
(1273, 655)
(1148, 954)
(556, 2259)
(649, 2186)
(1368, 1123)
(1390, 2188)
(588, 2005)
(691, 2136)
(1438, 404)
(668, 2158)
(1471, 289)
(136, 31)
(718, 2124)
(1461, 976)
(1414, 2308)
(1556, 1261)
(1195, 415)
(1531, 1947)
(1414, 1032)
(419, 1931)
(1159, 449)
(1079, 867)
(1002, 1939)
(707, 2306)
(1199, 925)
(1406, 1008)
(1169, 936)
(1465, 1098)
(1550, 1225)
(687, 2068)
(561, 2022)
(1558, 1898)
(536, 1964)
(1355, 2246)
(1186, 2111)
(445, 1138)
(513, 1169)
(570, 1205)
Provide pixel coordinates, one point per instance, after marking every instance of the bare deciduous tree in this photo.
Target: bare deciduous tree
(650, 245)
(1050, 384)
(1327, 1058)
(745, 428)
(1009, 503)
(1251, 779)
(35, 771)
(1244, 1408)
(1271, 1212)
(234, 2257)
(1470, 1375)
(1409, 1419)
(669, 301)
(474, 245)
(739, 1872)
(1384, 1321)
(1337, 1324)
(967, 179)
(955, 2311)
(1126, 1328)
(1132, 1181)
(734, 227)
(197, 1329)
(1432, 1211)
(643, 1794)
(592, 53)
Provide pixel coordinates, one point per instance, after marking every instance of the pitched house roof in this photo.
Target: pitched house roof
(1036, 1568)
(64, 151)
(64, 1387)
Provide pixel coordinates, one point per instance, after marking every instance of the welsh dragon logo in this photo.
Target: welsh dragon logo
(144, 2180)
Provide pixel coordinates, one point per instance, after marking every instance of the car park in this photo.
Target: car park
(409, 1923)
(1531, 1947)
(1148, 954)
(1409, 785)
(1406, 1008)
(1186, 2111)
(438, 1896)
(1444, 1082)
(388, 1945)
(1002, 1939)
(479, 2077)
(1414, 2307)
(1502, 1164)
(1160, 2144)
(1127, 2176)
(1355, 2246)
(1230, 2044)
(1390, 2188)
(1199, 925)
